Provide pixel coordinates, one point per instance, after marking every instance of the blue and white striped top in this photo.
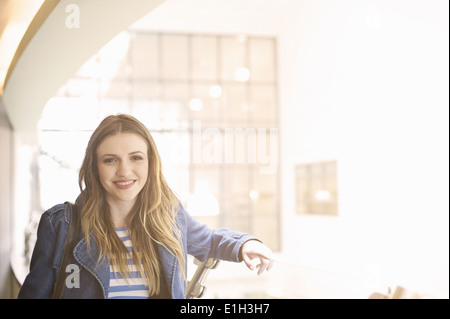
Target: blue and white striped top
(119, 288)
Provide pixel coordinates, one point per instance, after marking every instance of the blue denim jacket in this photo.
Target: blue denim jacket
(198, 240)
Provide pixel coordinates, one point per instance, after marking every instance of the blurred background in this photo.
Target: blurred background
(319, 126)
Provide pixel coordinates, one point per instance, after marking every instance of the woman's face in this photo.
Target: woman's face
(123, 167)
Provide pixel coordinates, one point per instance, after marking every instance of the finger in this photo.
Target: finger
(267, 261)
(266, 253)
(248, 261)
(263, 265)
(272, 262)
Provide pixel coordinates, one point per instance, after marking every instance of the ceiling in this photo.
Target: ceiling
(15, 17)
(253, 17)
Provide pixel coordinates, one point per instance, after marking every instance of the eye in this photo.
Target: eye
(137, 158)
(109, 160)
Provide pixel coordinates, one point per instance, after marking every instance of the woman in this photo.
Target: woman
(135, 235)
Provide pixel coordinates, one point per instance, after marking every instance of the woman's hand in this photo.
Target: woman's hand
(254, 249)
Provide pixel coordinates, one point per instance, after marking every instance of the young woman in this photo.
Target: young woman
(135, 234)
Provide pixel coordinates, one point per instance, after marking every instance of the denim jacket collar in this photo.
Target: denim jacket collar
(87, 258)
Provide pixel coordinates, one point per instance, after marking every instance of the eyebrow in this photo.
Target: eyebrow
(132, 153)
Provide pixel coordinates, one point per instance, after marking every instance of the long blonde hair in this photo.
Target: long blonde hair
(151, 220)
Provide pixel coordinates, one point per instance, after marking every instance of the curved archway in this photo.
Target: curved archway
(66, 38)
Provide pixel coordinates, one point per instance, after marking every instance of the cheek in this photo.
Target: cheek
(143, 172)
(103, 174)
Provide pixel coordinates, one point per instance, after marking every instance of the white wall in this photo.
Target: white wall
(366, 83)
(6, 137)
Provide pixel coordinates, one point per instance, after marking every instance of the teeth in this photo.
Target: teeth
(124, 183)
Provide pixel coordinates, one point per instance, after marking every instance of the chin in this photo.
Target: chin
(127, 198)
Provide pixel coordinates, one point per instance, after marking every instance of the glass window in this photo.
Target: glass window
(210, 103)
(262, 59)
(235, 104)
(263, 193)
(263, 106)
(146, 90)
(119, 89)
(316, 185)
(204, 55)
(236, 202)
(112, 106)
(233, 56)
(145, 56)
(204, 105)
(174, 59)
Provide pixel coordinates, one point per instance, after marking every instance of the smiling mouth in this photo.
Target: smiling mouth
(124, 184)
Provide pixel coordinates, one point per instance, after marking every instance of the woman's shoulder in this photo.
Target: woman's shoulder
(179, 212)
(57, 216)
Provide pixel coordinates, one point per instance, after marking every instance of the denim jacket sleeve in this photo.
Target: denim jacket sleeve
(204, 242)
(47, 253)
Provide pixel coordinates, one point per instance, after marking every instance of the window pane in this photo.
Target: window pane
(61, 156)
(262, 193)
(174, 57)
(205, 195)
(174, 109)
(209, 109)
(172, 148)
(236, 199)
(232, 56)
(235, 104)
(115, 89)
(178, 91)
(262, 59)
(178, 180)
(266, 228)
(173, 114)
(206, 179)
(113, 106)
(204, 58)
(263, 108)
(146, 90)
(317, 188)
(145, 56)
(148, 112)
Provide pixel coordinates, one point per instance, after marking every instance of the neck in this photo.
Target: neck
(119, 212)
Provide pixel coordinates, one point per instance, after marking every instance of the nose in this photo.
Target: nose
(124, 169)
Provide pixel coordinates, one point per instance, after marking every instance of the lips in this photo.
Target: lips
(125, 184)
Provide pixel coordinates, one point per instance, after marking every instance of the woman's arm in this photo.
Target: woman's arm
(204, 242)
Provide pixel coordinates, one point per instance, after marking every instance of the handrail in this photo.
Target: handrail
(196, 287)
